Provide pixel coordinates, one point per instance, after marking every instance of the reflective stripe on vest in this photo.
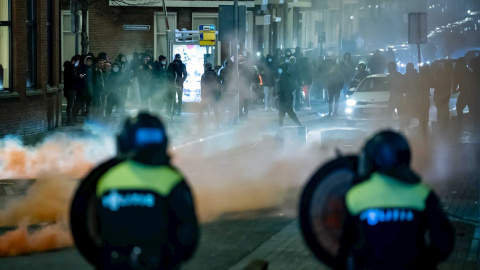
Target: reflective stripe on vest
(130, 175)
(381, 191)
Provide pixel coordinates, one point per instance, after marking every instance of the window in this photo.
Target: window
(373, 85)
(70, 37)
(5, 45)
(161, 32)
(50, 42)
(31, 43)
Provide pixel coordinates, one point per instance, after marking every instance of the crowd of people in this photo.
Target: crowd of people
(410, 92)
(94, 86)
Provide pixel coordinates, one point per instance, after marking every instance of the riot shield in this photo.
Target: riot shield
(322, 207)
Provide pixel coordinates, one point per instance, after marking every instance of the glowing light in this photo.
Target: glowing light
(351, 17)
(468, 11)
(351, 102)
(348, 110)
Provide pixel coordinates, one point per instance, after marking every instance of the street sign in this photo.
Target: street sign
(136, 27)
(417, 27)
(207, 42)
(417, 31)
(209, 27)
(207, 35)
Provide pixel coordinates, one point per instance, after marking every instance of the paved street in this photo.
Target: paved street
(247, 186)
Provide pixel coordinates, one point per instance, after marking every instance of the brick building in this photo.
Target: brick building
(269, 25)
(30, 99)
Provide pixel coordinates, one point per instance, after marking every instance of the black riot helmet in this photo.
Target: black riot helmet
(143, 139)
(387, 150)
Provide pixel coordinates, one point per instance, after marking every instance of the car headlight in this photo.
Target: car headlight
(351, 102)
(348, 110)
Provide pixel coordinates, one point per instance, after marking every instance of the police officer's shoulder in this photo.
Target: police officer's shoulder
(384, 191)
(133, 175)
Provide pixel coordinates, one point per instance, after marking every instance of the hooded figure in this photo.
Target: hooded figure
(116, 92)
(69, 78)
(285, 92)
(210, 93)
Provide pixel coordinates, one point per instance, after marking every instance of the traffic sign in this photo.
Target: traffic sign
(207, 42)
(208, 27)
(207, 35)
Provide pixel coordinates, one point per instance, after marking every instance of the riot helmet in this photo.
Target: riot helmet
(143, 139)
(387, 150)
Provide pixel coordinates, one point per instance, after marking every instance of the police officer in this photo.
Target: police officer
(390, 211)
(145, 217)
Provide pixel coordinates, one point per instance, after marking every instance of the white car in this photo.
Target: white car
(369, 101)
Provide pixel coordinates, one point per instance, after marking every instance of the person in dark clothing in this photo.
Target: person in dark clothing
(228, 78)
(295, 72)
(268, 80)
(87, 75)
(115, 90)
(122, 61)
(396, 101)
(377, 63)
(347, 67)
(144, 75)
(298, 53)
(279, 58)
(69, 78)
(426, 82)
(362, 73)
(210, 93)
(159, 81)
(306, 77)
(460, 85)
(136, 211)
(323, 73)
(286, 87)
(441, 97)
(181, 78)
(79, 86)
(335, 84)
(98, 87)
(288, 55)
(412, 85)
(246, 75)
(390, 211)
(171, 86)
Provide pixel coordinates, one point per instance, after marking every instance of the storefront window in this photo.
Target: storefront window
(5, 45)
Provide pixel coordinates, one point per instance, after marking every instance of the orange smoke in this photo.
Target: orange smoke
(20, 241)
(53, 164)
(47, 200)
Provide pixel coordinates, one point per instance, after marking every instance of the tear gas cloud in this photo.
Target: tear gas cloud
(223, 178)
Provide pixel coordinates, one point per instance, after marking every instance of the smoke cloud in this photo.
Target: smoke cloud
(225, 178)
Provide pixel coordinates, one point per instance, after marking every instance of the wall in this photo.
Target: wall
(25, 112)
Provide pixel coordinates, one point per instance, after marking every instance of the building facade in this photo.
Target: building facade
(270, 24)
(30, 96)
